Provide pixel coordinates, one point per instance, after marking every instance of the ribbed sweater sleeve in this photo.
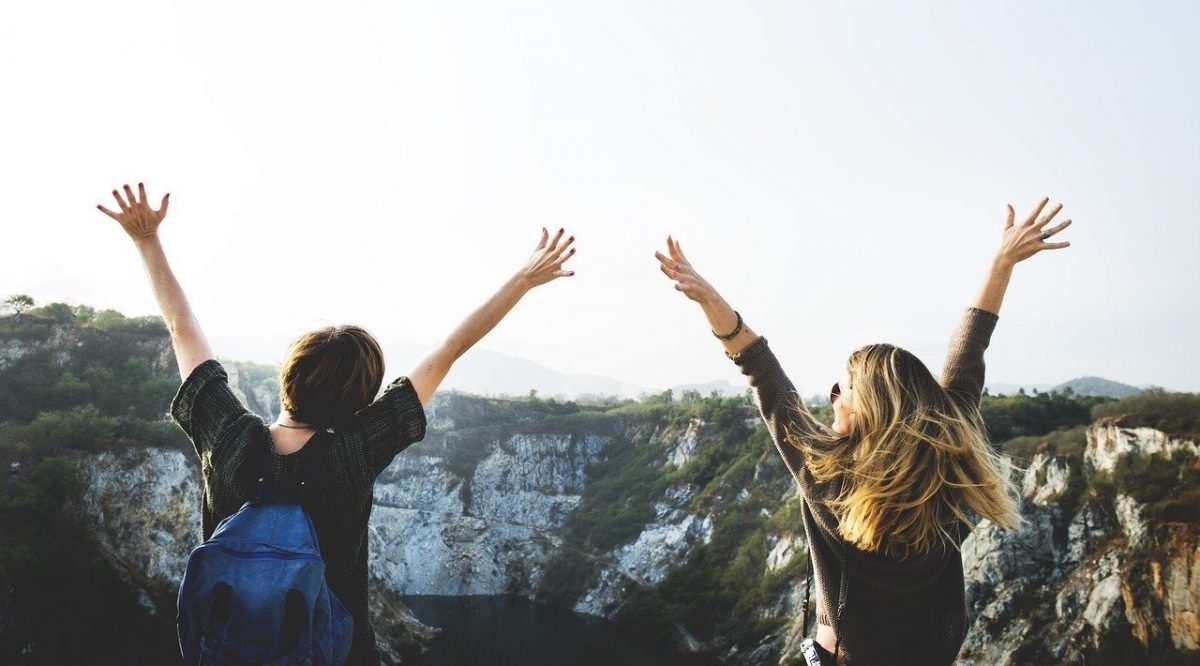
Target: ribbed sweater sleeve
(963, 373)
(782, 409)
(209, 412)
(390, 424)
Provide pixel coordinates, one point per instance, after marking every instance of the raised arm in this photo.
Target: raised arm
(545, 265)
(963, 373)
(782, 409)
(141, 223)
(722, 318)
(1018, 243)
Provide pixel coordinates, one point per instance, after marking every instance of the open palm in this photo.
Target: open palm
(137, 218)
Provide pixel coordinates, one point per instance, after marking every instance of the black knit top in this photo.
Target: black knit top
(898, 611)
(224, 432)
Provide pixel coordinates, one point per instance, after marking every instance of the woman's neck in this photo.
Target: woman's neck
(286, 420)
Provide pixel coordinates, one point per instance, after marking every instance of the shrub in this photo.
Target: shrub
(81, 428)
(1067, 442)
(1169, 487)
(1176, 414)
(1006, 417)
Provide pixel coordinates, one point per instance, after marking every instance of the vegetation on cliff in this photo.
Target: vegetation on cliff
(76, 380)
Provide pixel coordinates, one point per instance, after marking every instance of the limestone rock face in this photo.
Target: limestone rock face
(143, 507)
(1107, 442)
(445, 527)
(685, 444)
(477, 508)
(260, 397)
(783, 548)
(1070, 588)
(533, 480)
(659, 548)
(1045, 479)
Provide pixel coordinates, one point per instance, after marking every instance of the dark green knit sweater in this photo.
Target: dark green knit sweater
(224, 431)
(898, 612)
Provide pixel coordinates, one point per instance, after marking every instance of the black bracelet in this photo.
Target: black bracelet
(736, 329)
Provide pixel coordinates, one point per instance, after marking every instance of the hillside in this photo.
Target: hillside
(671, 515)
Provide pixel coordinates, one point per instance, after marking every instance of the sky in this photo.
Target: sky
(838, 171)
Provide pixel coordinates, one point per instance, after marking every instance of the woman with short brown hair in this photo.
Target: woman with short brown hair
(331, 419)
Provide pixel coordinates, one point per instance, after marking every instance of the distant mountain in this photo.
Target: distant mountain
(1099, 386)
(491, 373)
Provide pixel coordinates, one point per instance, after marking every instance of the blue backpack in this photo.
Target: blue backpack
(255, 592)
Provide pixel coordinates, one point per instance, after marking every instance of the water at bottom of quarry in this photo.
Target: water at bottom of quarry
(502, 630)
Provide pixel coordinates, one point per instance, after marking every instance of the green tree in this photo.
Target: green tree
(81, 428)
(18, 303)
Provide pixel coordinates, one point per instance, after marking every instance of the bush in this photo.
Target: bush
(115, 322)
(1067, 442)
(566, 577)
(1006, 417)
(52, 480)
(1169, 487)
(1177, 414)
(58, 312)
(81, 428)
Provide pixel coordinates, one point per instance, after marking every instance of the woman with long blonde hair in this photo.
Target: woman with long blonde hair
(895, 484)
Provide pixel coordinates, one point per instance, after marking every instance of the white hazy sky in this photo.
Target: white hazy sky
(838, 170)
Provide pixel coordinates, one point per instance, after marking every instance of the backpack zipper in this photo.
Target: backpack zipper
(262, 556)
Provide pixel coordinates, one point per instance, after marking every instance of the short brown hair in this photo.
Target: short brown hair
(329, 374)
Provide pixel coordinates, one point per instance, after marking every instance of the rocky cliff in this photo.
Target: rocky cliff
(484, 510)
(676, 516)
(1089, 578)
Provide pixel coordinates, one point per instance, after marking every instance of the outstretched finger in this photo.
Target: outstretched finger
(558, 262)
(563, 273)
(671, 248)
(664, 259)
(545, 236)
(1036, 211)
(666, 271)
(562, 248)
(129, 195)
(679, 253)
(166, 201)
(1058, 227)
(108, 212)
(1049, 216)
(117, 196)
(553, 245)
(1056, 246)
(1012, 215)
(142, 194)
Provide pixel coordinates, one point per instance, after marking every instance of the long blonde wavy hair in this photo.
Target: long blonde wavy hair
(916, 462)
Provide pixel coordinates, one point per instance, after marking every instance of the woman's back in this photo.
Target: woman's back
(897, 608)
(235, 447)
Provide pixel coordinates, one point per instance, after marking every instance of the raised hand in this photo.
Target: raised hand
(679, 269)
(137, 218)
(724, 321)
(547, 260)
(1021, 241)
